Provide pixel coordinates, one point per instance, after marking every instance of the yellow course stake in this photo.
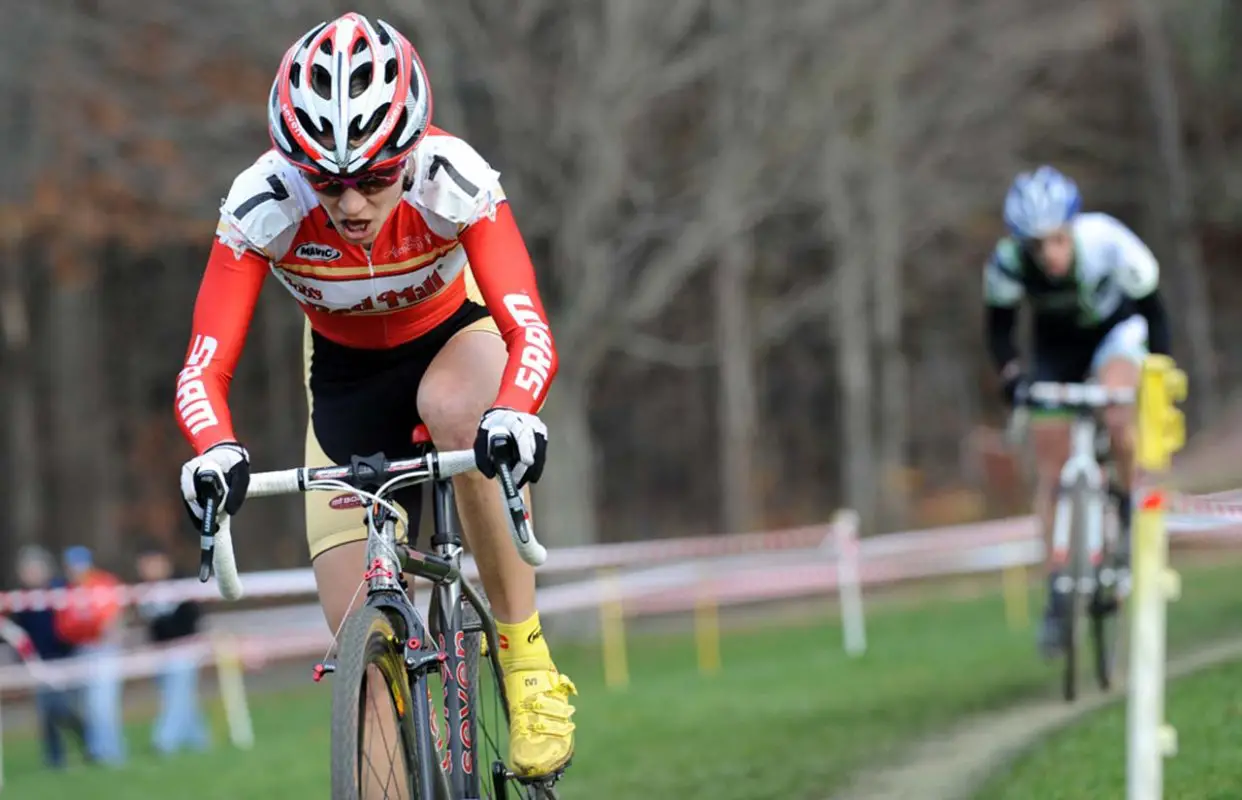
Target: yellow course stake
(612, 627)
(707, 631)
(1161, 432)
(233, 691)
(1017, 608)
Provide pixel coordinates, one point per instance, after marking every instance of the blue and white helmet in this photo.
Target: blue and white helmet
(1038, 203)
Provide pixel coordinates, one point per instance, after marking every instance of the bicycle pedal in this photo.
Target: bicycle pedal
(321, 669)
(547, 781)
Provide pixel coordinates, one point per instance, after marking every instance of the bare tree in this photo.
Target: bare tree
(1187, 273)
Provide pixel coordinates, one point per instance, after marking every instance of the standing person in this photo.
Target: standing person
(398, 242)
(91, 621)
(180, 722)
(36, 571)
(1094, 289)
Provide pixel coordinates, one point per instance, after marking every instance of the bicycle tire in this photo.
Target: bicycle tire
(369, 638)
(1107, 630)
(1072, 609)
(485, 763)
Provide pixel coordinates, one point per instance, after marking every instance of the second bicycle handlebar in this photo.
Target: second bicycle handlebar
(217, 548)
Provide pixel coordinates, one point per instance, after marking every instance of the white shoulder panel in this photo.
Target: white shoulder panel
(265, 205)
(453, 183)
(1107, 246)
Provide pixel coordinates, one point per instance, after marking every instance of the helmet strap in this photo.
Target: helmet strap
(407, 179)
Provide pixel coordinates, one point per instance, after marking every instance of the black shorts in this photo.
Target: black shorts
(365, 402)
(1066, 363)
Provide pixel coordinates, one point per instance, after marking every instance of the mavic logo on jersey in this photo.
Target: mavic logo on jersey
(314, 251)
(536, 357)
(192, 402)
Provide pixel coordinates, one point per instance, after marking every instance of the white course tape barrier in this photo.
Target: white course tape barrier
(295, 582)
(671, 575)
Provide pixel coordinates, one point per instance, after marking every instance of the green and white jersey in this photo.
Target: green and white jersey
(1112, 268)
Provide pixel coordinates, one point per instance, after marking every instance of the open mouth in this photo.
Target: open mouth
(355, 230)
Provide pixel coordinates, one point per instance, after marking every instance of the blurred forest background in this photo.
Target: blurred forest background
(759, 229)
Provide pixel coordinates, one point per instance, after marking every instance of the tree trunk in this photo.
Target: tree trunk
(853, 345)
(737, 397)
(564, 507)
(887, 225)
(1187, 272)
(24, 460)
(87, 462)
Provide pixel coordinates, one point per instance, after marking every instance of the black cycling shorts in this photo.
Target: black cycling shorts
(365, 402)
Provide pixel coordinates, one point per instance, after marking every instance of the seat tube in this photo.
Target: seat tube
(445, 534)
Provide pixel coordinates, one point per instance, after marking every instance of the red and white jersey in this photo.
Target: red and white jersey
(451, 237)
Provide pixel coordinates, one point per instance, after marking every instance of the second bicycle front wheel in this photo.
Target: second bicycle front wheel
(1079, 567)
(378, 747)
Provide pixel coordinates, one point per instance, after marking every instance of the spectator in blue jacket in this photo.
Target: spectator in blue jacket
(56, 706)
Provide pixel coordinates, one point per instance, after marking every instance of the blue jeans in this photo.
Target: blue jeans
(180, 722)
(57, 715)
(105, 740)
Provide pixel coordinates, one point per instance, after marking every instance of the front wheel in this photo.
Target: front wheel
(488, 717)
(376, 739)
(1071, 607)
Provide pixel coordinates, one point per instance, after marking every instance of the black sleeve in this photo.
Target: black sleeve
(1000, 322)
(1152, 308)
(181, 622)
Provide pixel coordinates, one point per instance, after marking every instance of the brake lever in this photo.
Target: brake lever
(211, 487)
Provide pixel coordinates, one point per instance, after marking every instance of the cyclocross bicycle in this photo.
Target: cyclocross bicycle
(386, 636)
(1090, 559)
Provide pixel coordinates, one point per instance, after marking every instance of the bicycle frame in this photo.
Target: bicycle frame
(373, 479)
(1084, 401)
(1081, 465)
(455, 775)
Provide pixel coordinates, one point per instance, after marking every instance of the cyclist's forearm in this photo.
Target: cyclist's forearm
(506, 278)
(1152, 308)
(1000, 322)
(222, 314)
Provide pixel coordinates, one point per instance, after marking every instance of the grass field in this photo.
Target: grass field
(788, 717)
(1089, 761)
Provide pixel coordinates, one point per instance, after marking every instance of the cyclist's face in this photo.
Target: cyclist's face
(359, 206)
(1054, 252)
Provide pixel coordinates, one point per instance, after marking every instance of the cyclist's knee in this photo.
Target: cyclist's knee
(452, 416)
(453, 428)
(459, 386)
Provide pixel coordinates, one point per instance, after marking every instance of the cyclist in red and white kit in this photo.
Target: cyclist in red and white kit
(397, 241)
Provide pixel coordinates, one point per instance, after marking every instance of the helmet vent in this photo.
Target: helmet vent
(360, 80)
(321, 82)
(360, 133)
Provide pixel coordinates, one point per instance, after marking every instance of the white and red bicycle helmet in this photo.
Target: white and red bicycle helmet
(350, 96)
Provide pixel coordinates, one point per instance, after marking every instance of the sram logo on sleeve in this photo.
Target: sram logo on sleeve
(536, 357)
(192, 402)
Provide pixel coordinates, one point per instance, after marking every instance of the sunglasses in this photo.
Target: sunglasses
(367, 183)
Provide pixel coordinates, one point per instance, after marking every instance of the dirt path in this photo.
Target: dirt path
(954, 764)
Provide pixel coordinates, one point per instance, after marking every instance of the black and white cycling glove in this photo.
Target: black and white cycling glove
(230, 464)
(527, 440)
